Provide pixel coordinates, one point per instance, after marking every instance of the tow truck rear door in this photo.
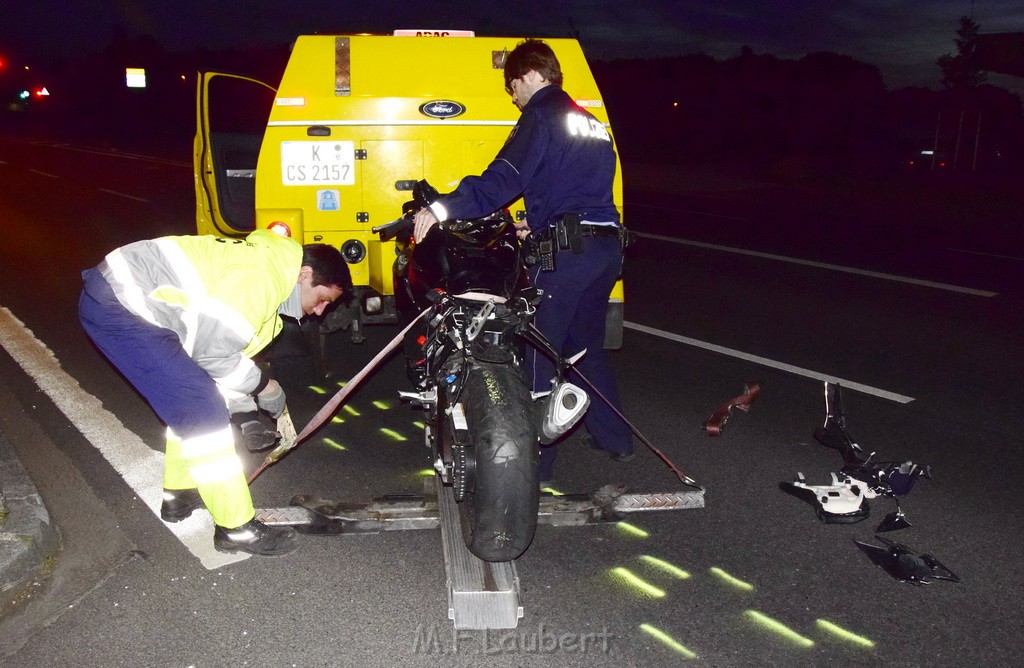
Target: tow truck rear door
(231, 119)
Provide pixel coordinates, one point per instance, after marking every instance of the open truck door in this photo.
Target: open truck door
(231, 119)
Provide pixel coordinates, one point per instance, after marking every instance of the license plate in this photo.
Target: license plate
(318, 163)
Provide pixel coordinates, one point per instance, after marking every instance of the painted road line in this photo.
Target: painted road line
(42, 173)
(114, 192)
(983, 254)
(109, 152)
(823, 265)
(704, 214)
(763, 361)
(140, 466)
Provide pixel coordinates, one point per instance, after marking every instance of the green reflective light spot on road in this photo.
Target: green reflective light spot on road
(352, 411)
(419, 424)
(392, 434)
(778, 628)
(427, 473)
(668, 640)
(663, 565)
(337, 420)
(342, 383)
(731, 580)
(383, 405)
(843, 634)
(318, 389)
(632, 530)
(638, 583)
(334, 444)
(552, 491)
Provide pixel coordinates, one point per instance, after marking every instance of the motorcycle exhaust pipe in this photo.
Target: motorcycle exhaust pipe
(563, 408)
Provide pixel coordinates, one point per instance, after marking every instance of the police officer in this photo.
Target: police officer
(180, 318)
(561, 160)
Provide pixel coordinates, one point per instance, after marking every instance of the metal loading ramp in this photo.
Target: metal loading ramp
(481, 595)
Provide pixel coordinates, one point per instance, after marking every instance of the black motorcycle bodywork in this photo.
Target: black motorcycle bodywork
(465, 361)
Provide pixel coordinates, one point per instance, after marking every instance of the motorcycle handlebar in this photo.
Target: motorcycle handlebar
(403, 225)
(391, 230)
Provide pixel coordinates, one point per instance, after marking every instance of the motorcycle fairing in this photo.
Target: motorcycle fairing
(842, 502)
(906, 565)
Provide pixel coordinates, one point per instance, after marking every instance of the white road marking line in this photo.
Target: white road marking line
(52, 176)
(114, 192)
(704, 214)
(823, 265)
(111, 152)
(764, 361)
(1001, 257)
(139, 465)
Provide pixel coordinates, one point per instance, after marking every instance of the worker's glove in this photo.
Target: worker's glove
(271, 399)
(255, 436)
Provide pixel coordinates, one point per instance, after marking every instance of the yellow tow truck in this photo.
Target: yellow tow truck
(356, 120)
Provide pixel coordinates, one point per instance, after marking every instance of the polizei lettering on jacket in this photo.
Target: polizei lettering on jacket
(584, 126)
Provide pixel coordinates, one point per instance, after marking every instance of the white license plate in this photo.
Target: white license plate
(318, 163)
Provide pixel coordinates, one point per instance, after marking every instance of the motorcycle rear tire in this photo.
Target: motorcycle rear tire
(499, 513)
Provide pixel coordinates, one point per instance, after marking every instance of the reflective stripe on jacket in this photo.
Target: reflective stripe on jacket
(220, 296)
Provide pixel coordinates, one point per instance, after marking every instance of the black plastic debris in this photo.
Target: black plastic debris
(906, 565)
(833, 434)
(845, 500)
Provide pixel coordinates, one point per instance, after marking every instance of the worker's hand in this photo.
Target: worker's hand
(271, 399)
(522, 228)
(422, 222)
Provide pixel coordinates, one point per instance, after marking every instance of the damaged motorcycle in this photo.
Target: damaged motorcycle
(468, 284)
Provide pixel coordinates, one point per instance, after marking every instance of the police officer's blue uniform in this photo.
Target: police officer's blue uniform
(561, 159)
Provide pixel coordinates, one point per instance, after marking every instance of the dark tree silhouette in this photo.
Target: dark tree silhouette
(963, 71)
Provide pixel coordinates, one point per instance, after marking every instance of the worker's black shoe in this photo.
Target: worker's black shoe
(589, 441)
(179, 504)
(254, 435)
(257, 538)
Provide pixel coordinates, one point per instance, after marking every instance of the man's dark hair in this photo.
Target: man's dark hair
(329, 268)
(532, 54)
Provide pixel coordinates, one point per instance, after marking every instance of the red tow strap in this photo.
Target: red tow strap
(717, 421)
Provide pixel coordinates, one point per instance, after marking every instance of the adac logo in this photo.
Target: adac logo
(442, 109)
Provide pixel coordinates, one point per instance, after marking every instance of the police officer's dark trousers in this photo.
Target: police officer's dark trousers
(572, 317)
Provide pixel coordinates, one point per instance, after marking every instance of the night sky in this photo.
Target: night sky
(902, 37)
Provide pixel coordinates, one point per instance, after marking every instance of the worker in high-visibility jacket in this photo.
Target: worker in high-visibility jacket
(180, 318)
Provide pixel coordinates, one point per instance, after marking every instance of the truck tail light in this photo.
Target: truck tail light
(280, 228)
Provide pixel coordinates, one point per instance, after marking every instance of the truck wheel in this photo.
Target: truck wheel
(499, 513)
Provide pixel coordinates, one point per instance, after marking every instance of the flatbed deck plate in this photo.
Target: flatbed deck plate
(481, 595)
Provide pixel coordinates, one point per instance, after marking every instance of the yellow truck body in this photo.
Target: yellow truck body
(355, 121)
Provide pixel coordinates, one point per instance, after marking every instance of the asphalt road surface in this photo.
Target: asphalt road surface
(908, 294)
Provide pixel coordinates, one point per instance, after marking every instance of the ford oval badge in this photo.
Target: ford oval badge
(442, 109)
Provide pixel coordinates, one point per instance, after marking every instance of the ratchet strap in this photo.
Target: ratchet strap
(332, 405)
(716, 422)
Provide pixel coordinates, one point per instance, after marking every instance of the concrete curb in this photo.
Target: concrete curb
(29, 541)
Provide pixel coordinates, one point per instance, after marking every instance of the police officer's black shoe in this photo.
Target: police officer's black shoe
(254, 435)
(179, 504)
(589, 441)
(257, 538)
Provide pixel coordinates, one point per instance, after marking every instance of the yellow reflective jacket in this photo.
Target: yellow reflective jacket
(220, 296)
